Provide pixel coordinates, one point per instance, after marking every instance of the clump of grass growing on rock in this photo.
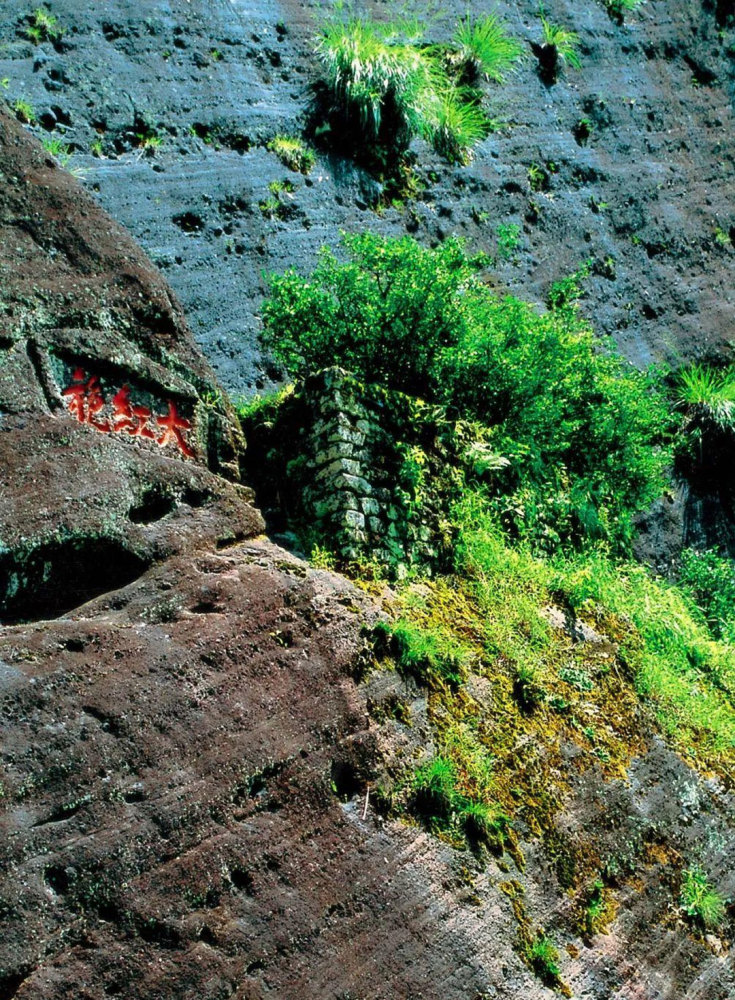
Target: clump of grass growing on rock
(710, 578)
(43, 26)
(700, 901)
(293, 153)
(60, 151)
(434, 790)
(617, 9)
(427, 655)
(24, 111)
(543, 957)
(385, 84)
(376, 78)
(485, 48)
(560, 47)
(460, 125)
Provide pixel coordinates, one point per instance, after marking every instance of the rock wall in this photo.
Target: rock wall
(645, 190)
(185, 751)
(362, 471)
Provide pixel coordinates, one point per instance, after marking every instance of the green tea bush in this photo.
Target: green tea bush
(580, 428)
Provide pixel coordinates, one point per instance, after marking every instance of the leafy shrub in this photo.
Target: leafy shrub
(577, 425)
(700, 901)
(484, 48)
(710, 578)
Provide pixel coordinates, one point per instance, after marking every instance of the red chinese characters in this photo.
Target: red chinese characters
(85, 401)
(129, 418)
(173, 426)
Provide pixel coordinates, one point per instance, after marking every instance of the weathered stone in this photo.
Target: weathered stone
(353, 519)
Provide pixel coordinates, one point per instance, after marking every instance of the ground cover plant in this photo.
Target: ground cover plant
(700, 901)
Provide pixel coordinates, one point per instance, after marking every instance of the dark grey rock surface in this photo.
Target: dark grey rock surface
(642, 197)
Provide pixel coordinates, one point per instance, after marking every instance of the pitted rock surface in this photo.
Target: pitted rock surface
(643, 196)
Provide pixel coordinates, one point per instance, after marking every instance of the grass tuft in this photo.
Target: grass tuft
(700, 901)
(460, 125)
(484, 48)
(293, 153)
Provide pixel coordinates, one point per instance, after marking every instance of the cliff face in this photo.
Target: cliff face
(643, 189)
(185, 748)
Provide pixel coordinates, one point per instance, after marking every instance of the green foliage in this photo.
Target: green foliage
(562, 43)
(597, 912)
(429, 656)
(43, 27)
(537, 177)
(434, 790)
(58, 149)
(484, 48)
(24, 111)
(260, 409)
(722, 237)
(708, 396)
(710, 579)
(700, 901)
(543, 958)
(384, 313)
(686, 677)
(439, 802)
(579, 426)
(617, 9)
(484, 824)
(508, 235)
(322, 558)
(460, 124)
(678, 668)
(293, 153)
(389, 87)
(373, 76)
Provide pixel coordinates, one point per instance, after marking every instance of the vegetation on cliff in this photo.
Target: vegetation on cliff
(571, 641)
